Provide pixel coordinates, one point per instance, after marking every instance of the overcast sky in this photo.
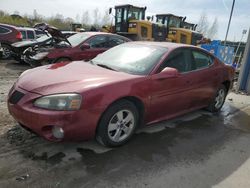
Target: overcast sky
(192, 9)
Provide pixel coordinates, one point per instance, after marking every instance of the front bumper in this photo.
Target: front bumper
(77, 125)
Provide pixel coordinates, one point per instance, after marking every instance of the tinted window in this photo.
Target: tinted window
(201, 59)
(180, 60)
(114, 41)
(132, 58)
(38, 32)
(99, 42)
(30, 35)
(23, 34)
(4, 30)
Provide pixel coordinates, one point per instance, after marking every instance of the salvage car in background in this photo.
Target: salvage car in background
(81, 46)
(10, 34)
(46, 41)
(108, 98)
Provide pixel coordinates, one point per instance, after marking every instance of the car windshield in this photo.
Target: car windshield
(131, 58)
(78, 38)
(43, 38)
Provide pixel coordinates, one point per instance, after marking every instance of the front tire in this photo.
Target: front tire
(218, 100)
(117, 124)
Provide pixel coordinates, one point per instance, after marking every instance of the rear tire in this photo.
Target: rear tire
(6, 51)
(118, 124)
(218, 100)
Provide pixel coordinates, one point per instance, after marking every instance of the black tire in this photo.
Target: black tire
(62, 59)
(214, 106)
(103, 135)
(6, 51)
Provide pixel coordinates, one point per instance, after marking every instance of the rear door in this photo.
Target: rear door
(205, 77)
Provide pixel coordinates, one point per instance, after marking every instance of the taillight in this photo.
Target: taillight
(19, 35)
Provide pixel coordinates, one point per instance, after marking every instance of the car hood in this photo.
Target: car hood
(64, 77)
(53, 31)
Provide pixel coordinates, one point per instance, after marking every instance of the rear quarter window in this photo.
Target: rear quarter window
(201, 59)
(4, 30)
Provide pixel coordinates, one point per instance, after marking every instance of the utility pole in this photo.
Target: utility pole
(229, 22)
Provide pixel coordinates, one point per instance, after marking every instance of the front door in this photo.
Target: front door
(172, 96)
(98, 44)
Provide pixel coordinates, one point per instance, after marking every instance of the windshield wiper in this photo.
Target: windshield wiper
(105, 66)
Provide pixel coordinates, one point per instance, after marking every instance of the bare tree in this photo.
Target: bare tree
(203, 24)
(85, 18)
(212, 31)
(77, 18)
(96, 17)
(106, 18)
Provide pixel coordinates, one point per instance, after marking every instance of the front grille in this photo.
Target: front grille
(15, 97)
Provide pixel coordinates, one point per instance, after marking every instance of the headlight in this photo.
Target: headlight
(40, 56)
(67, 101)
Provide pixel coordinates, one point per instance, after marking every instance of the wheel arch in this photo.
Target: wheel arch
(227, 84)
(135, 100)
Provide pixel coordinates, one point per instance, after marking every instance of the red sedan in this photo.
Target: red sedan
(81, 46)
(108, 98)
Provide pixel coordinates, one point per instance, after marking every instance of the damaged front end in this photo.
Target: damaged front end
(37, 55)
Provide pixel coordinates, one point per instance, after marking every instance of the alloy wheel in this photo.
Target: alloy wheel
(219, 100)
(121, 125)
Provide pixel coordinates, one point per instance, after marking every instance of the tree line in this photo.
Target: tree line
(94, 18)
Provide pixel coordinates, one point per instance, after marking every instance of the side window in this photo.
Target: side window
(114, 41)
(4, 30)
(23, 34)
(30, 35)
(98, 42)
(180, 60)
(201, 59)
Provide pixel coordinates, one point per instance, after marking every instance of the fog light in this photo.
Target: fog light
(58, 132)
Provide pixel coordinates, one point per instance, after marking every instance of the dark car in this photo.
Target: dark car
(129, 85)
(8, 35)
(46, 40)
(81, 46)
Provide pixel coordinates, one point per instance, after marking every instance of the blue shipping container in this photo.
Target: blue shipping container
(224, 53)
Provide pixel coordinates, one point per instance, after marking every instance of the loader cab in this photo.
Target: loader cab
(169, 20)
(190, 26)
(125, 13)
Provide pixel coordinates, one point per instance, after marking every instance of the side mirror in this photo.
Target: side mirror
(85, 46)
(167, 72)
(110, 10)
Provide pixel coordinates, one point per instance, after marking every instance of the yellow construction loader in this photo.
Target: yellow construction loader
(130, 22)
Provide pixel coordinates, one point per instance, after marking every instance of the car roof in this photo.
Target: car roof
(169, 45)
(25, 28)
(93, 33)
(7, 25)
